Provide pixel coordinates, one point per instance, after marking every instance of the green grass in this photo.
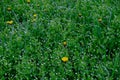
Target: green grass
(31, 48)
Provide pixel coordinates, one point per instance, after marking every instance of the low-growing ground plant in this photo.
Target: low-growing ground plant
(59, 40)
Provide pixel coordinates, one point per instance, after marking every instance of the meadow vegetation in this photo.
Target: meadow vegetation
(59, 40)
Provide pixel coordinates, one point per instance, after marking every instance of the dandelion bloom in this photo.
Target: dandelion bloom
(100, 20)
(65, 59)
(9, 9)
(35, 15)
(64, 43)
(9, 22)
(80, 14)
(28, 1)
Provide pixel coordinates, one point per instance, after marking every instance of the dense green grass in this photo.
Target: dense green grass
(31, 48)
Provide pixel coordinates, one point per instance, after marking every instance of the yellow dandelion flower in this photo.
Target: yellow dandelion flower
(100, 20)
(35, 15)
(80, 14)
(65, 59)
(28, 1)
(9, 22)
(64, 43)
(9, 9)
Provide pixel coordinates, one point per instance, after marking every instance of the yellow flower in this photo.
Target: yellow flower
(9, 22)
(35, 15)
(80, 14)
(28, 1)
(9, 9)
(100, 20)
(64, 43)
(65, 59)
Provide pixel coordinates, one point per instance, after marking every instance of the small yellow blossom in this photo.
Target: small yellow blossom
(9, 9)
(65, 59)
(80, 14)
(64, 43)
(9, 22)
(100, 20)
(35, 15)
(28, 1)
